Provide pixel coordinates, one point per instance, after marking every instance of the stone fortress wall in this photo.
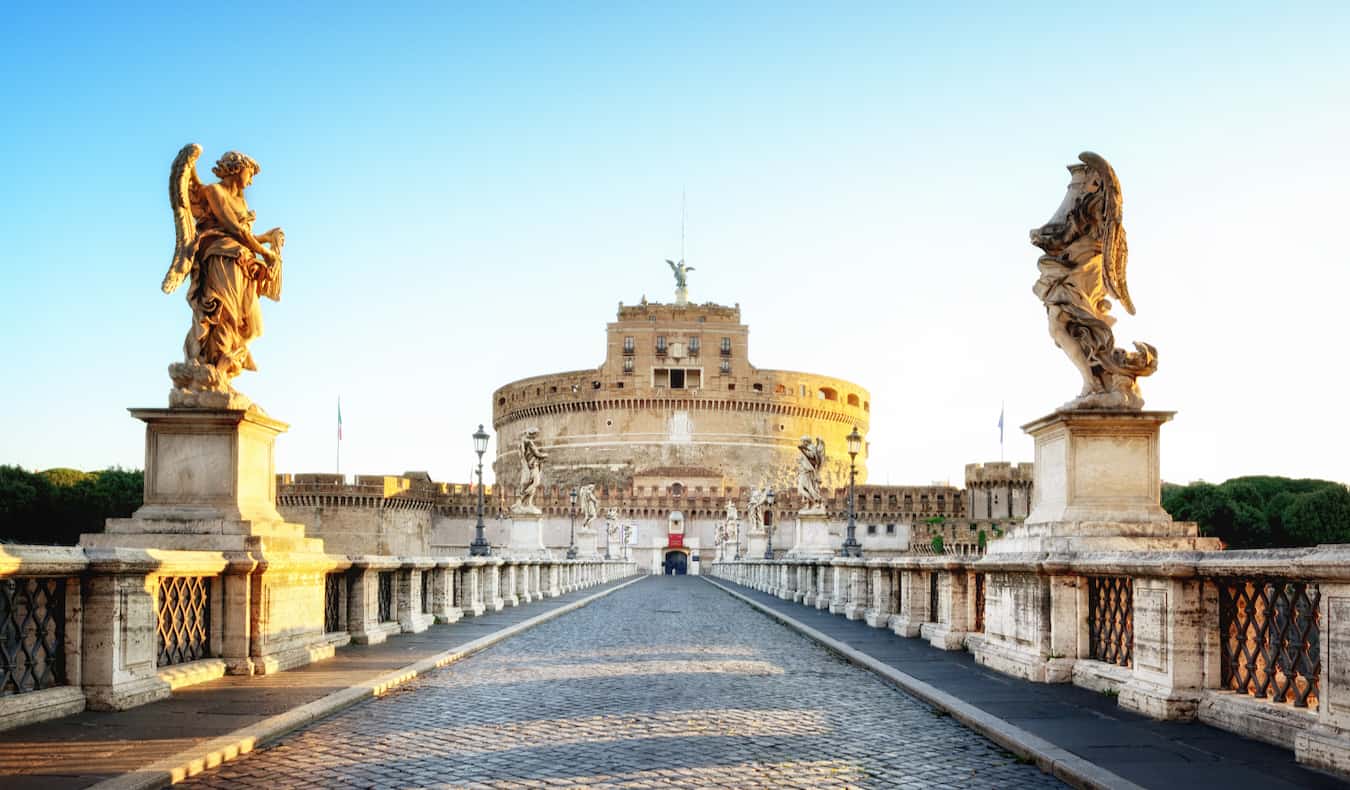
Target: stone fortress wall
(673, 423)
(410, 514)
(676, 390)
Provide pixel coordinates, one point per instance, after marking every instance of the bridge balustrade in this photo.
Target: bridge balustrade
(114, 628)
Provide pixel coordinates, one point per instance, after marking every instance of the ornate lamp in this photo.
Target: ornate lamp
(480, 547)
(572, 540)
(851, 546)
(768, 545)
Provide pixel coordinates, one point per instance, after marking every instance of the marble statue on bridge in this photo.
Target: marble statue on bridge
(531, 472)
(227, 267)
(809, 463)
(1083, 264)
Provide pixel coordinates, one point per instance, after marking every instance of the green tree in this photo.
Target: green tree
(1262, 511)
(58, 505)
(1321, 516)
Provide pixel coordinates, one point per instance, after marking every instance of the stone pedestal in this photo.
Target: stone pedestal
(1097, 489)
(812, 537)
(210, 485)
(755, 543)
(588, 543)
(527, 535)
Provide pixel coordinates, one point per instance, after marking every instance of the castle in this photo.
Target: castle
(674, 424)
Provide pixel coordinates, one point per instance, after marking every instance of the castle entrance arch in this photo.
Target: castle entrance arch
(677, 562)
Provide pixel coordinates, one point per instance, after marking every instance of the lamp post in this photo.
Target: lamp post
(572, 540)
(609, 535)
(480, 547)
(852, 548)
(768, 545)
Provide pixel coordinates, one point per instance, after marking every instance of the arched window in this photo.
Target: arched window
(853, 399)
(677, 489)
(827, 393)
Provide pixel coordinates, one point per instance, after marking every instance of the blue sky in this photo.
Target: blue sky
(468, 192)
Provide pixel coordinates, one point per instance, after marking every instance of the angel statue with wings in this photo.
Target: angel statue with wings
(809, 463)
(681, 273)
(1083, 264)
(228, 268)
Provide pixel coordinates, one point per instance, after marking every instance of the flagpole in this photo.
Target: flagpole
(1002, 410)
(339, 436)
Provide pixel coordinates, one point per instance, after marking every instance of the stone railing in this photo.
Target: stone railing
(1254, 642)
(110, 629)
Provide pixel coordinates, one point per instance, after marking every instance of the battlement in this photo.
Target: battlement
(708, 312)
(999, 472)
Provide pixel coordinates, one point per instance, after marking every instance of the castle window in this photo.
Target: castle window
(661, 345)
(628, 365)
(726, 346)
(677, 489)
(628, 345)
(677, 379)
(871, 529)
(693, 346)
(852, 399)
(890, 529)
(552, 390)
(768, 518)
(757, 387)
(826, 393)
(725, 367)
(501, 401)
(731, 388)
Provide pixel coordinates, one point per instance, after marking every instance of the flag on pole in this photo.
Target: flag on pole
(339, 419)
(1000, 425)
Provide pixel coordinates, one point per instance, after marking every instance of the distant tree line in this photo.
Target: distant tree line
(1264, 512)
(57, 505)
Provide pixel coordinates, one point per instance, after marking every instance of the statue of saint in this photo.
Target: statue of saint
(681, 273)
(1083, 264)
(590, 505)
(612, 521)
(809, 463)
(731, 510)
(531, 471)
(754, 509)
(229, 267)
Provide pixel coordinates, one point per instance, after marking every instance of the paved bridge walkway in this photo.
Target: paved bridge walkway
(1087, 725)
(669, 681)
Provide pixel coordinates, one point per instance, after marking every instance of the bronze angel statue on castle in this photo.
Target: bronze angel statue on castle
(228, 267)
(1083, 264)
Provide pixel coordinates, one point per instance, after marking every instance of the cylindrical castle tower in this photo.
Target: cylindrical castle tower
(677, 397)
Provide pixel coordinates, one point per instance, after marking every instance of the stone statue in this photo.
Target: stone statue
(1084, 263)
(531, 471)
(612, 522)
(754, 509)
(590, 505)
(731, 510)
(810, 461)
(228, 267)
(681, 276)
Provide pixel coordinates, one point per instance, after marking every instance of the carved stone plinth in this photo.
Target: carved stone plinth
(527, 535)
(588, 543)
(812, 537)
(1097, 489)
(755, 543)
(210, 485)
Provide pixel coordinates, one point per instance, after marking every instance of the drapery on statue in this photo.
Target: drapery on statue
(681, 273)
(531, 472)
(731, 510)
(1084, 262)
(590, 505)
(612, 521)
(229, 268)
(754, 509)
(810, 461)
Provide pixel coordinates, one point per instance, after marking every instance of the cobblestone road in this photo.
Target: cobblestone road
(667, 683)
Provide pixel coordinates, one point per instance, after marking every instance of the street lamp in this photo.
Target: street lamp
(480, 547)
(572, 540)
(851, 546)
(768, 545)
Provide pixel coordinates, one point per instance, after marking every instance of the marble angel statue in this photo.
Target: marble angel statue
(531, 471)
(809, 463)
(590, 504)
(1083, 264)
(227, 267)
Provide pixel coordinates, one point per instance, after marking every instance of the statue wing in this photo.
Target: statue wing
(183, 187)
(1114, 249)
